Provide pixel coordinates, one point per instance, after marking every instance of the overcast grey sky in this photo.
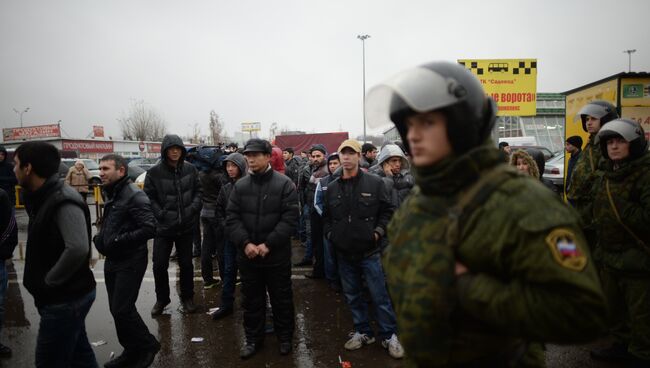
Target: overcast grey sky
(294, 62)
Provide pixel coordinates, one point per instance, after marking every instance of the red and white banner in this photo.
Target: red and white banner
(31, 132)
(98, 131)
(88, 146)
(154, 147)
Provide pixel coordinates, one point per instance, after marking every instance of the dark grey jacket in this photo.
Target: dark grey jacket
(263, 208)
(175, 192)
(7, 177)
(224, 194)
(292, 169)
(45, 245)
(128, 222)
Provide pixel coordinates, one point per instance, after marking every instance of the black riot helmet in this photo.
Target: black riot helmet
(441, 86)
(599, 109)
(627, 129)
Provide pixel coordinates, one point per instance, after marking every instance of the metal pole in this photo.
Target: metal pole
(629, 61)
(363, 47)
(363, 39)
(20, 114)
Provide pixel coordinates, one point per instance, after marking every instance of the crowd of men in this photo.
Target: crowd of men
(470, 262)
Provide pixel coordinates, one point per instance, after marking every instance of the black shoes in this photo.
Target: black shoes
(222, 312)
(5, 351)
(285, 348)
(210, 284)
(158, 308)
(249, 350)
(617, 352)
(124, 360)
(303, 263)
(188, 306)
(146, 357)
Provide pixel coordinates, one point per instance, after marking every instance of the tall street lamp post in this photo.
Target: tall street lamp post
(20, 113)
(629, 62)
(363, 39)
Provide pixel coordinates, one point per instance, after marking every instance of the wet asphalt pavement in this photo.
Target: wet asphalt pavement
(322, 324)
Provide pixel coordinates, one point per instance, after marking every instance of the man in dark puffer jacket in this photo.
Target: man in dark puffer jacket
(175, 193)
(262, 214)
(125, 228)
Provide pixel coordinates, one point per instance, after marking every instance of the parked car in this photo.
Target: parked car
(91, 165)
(548, 154)
(144, 163)
(554, 170)
(135, 172)
(140, 179)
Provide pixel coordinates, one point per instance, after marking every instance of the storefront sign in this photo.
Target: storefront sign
(31, 132)
(88, 146)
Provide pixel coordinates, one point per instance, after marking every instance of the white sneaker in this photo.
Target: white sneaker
(357, 340)
(395, 349)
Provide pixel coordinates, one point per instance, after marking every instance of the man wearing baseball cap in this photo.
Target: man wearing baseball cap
(357, 211)
(261, 229)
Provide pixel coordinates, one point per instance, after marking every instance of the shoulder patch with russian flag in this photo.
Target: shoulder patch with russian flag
(565, 249)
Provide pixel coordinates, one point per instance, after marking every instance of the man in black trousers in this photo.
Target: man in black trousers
(175, 194)
(262, 214)
(127, 224)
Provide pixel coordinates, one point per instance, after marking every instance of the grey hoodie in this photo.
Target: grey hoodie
(239, 160)
(399, 186)
(222, 201)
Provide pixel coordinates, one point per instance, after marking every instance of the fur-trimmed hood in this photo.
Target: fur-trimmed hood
(533, 169)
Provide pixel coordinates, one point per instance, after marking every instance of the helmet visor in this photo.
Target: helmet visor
(591, 109)
(626, 129)
(419, 88)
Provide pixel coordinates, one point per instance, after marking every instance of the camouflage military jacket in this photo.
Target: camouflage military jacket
(623, 247)
(529, 278)
(583, 177)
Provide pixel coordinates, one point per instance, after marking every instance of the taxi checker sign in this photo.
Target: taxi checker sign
(512, 83)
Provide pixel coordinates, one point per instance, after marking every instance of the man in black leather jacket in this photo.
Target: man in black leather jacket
(262, 214)
(125, 228)
(175, 193)
(357, 211)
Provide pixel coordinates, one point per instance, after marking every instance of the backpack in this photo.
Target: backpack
(206, 158)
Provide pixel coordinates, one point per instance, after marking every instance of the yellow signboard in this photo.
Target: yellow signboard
(640, 114)
(252, 126)
(575, 101)
(512, 83)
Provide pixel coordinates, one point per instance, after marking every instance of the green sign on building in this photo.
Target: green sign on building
(632, 90)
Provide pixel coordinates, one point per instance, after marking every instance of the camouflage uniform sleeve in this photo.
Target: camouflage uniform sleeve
(635, 214)
(552, 292)
(420, 275)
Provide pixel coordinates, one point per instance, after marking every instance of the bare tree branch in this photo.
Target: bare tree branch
(216, 128)
(142, 123)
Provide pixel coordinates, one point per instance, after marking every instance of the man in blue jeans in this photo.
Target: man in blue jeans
(57, 271)
(357, 210)
(235, 165)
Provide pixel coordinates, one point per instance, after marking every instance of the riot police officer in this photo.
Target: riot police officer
(479, 272)
(593, 115)
(621, 210)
